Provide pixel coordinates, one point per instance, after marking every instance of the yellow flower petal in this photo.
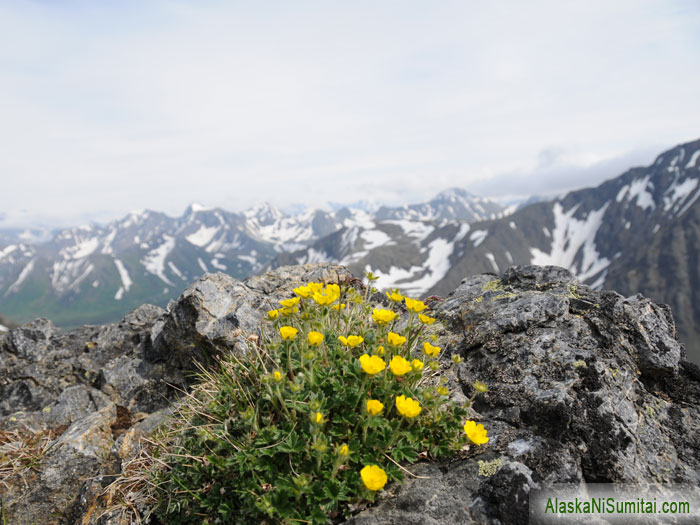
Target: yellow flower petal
(414, 305)
(289, 303)
(383, 316)
(315, 338)
(372, 364)
(351, 341)
(431, 350)
(373, 477)
(476, 432)
(426, 319)
(288, 332)
(395, 339)
(407, 406)
(375, 407)
(399, 366)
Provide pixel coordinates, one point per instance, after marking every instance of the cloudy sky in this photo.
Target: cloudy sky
(111, 106)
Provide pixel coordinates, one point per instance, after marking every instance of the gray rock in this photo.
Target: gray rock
(218, 312)
(584, 387)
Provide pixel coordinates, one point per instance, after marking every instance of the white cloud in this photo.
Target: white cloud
(154, 105)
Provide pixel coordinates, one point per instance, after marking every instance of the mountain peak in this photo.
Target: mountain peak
(453, 194)
(196, 207)
(264, 212)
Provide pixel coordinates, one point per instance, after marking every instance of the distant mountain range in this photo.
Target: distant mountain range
(639, 232)
(95, 274)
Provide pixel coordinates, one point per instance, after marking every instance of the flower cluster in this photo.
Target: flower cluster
(311, 414)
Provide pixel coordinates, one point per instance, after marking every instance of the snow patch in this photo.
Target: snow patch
(154, 261)
(478, 236)
(216, 264)
(176, 270)
(107, 243)
(509, 257)
(678, 193)
(375, 238)
(693, 160)
(638, 190)
(202, 265)
(512, 225)
(415, 229)
(463, 230)
(203, 236)
(417, 280)
(22, 276)
(570, 237)
(120, 293)
(123, 274)
(7, 251)
(82, 249)
(492, 260)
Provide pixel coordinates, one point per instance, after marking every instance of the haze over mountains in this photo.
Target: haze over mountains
(638, 232)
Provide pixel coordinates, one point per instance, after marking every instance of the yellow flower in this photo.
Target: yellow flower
(417, 365)
(303, 291)
(372, 364)
(344, 451)
(414, 305)
(379, 350)
(394, 296)
(375, 407)
(351, 340)
(289, 311)
(326, 296)
(315, 287)
(340, 306)
(273, 314)
(407, 406)
(383, 316)
(395, 339)
(431, 350)
(289, 303)
(481, 387)
(475, 433)
(277, 376)
(442, 390)
(373, 477)
(317, 417)
(425, 319)
(288, 332)
(399, 366)
(315, 338)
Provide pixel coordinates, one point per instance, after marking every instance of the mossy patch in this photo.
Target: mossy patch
(489, 468)
(492, 286)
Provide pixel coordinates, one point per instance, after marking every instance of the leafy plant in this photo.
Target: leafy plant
(314, 419)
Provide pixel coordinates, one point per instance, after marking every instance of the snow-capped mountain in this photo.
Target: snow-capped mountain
(451, 204)
(639, 232)
(96, 273)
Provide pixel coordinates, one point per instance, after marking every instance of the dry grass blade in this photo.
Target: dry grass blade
(22, 451)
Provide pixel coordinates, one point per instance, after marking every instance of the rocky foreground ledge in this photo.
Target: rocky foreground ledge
(584, 386)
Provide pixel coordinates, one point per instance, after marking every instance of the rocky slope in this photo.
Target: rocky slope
(639, 232)
(584, 386)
